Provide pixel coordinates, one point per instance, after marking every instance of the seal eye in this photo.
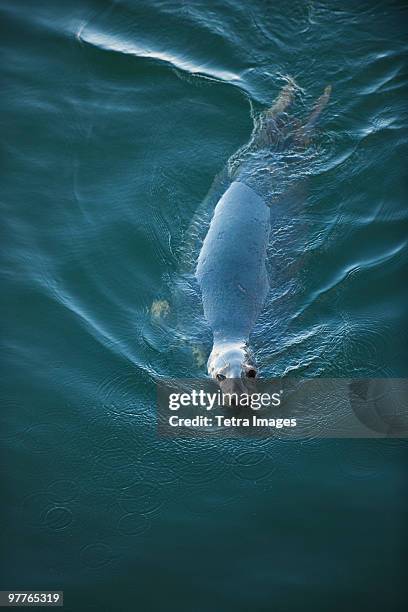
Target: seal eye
(220, 377)
(251, 373)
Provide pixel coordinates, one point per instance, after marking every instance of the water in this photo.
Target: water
(116, 119)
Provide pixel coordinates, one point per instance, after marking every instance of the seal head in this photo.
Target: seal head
(230, 365)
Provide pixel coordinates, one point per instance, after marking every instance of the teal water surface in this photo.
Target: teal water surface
(116, 117)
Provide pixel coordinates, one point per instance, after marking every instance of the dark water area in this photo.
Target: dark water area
(116, 117)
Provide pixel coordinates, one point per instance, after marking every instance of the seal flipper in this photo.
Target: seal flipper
(270, 123)
(282, 102)
(305, 131)
(159, 309)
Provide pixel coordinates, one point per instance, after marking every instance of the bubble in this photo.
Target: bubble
(200, 461)
(133, 524)
(365, 463)
(96, 555)
(253, 465)
(63, 490)
(58, 518)
(142, 497)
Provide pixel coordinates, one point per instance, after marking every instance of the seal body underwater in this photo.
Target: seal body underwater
(231, 267)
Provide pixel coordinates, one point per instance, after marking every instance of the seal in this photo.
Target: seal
(231, 267)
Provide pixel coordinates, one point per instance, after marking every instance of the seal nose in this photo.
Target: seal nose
(232, 389)
(233, 401)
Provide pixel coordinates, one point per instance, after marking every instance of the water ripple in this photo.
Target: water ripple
(108, 42)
